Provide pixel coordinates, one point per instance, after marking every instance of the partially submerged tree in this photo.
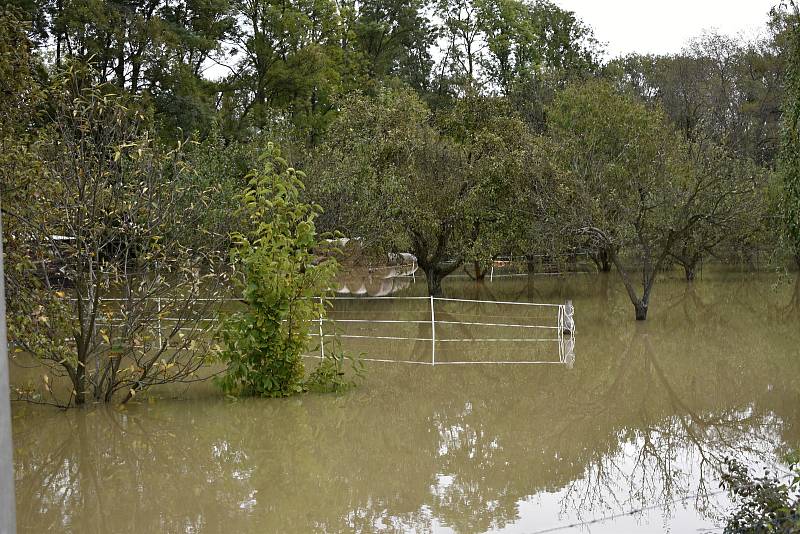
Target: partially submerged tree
(112, 295)
(403, 184)
(284, 283)
(635, 189)
(393, 181)
(732, 203)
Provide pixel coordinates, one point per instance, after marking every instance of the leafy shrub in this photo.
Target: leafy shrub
(765, 503)
(284, 282)
(330, 375)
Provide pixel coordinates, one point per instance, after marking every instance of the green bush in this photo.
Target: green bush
(284, 282)
(765, 504)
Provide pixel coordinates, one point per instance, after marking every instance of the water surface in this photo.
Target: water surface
(639, 421)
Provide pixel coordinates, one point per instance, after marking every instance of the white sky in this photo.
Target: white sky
(659, 26)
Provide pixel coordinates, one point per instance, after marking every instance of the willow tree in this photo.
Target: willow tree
(635, 189)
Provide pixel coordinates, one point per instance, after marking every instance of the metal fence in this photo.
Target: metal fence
(557, 330)
(552, 327)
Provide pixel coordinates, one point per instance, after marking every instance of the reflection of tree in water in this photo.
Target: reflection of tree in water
(643, 418)
(104, 471)
(663, 461)
(793, 309)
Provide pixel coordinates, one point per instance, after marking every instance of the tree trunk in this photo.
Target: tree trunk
(605, 265)
(434, 278)
(435, 272)
(530, 263)
(433, 264)
(689, 271)
(137, 65)
(480, 273)
(602, 261)
(573, 262)
(79, 383)
(640, 307)
(120, 66)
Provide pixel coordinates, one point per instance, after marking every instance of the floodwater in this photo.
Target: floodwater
(627, 438)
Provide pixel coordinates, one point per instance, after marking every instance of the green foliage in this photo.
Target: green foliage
(394, 39)
(765, 504)
(636, 187)
(734, 207)
(332, 375)
(108, 214)
(615, 157)
(221, 171)
(294, 67)
(718, 88)
(282, 281)
(265, 64)
(159, 48)
(535, 40)
(790, 152)
(439, 187)
(505, 44)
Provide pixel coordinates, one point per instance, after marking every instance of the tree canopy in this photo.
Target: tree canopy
(457, 130)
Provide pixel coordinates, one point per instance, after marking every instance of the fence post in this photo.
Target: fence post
(569, 322)
(560, 323)
(7, 501)
(321, 333)
(560, 339)
(433, 334)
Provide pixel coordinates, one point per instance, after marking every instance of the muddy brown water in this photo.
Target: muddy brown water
(639, 423)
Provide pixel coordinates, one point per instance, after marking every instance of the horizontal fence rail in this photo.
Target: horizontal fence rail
(558, 328)
(562, 326)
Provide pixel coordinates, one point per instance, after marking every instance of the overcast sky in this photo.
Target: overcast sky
(653, 26)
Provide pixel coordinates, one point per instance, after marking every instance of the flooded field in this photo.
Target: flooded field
(628, 437)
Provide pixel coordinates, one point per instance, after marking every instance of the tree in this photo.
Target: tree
(395, 38)
(145, 47)
(391, 176)
(717, 88)
(111, 294)
(514, 212)
(221, 169)
(393, 181)
(535, 41)
(734, 205)
(284, 285)
(635, 189)
(293, 65)
(790, 150)
(462, 25)
(511, 45)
